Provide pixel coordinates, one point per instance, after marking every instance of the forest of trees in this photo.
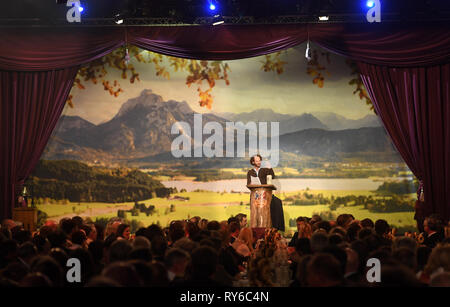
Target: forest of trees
(79, 182)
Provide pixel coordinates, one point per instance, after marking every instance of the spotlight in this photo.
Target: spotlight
(212, 5)
(81, 9)
(323, 18)
(370, 3)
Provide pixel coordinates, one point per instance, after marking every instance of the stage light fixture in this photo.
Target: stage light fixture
(118, 19)
(323, 18)
(218, 20)
(370, 3)
(81, 9)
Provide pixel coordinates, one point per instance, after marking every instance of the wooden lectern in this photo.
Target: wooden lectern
(27, 215)
(260, 198)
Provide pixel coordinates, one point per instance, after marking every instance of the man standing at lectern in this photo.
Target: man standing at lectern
(276, 206)
(257, 171)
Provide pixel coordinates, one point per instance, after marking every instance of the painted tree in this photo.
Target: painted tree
(199, 73)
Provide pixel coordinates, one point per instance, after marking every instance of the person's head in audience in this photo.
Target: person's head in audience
(318, 242)
(352, 231)
(59, 255)
(439, 260)
(122, 273)
(432, 224)
(78, 220)
(176, 261)
(344, 220)
(49, 267)
(407, 242)
(119, 251)
(51, 224)
(204, 260)
(42, 244)
(203, 224)
(324, 270)
(154, 230)
(91, 232)
(26, 252)
(159, 247)
(325, 225)
(242, 218)
(192, 229)
(315, 218)
(365, 232)
(176, 231)
(186, 244)
(304, 228)
(141, 241)
(213, 225)
(123, 231)
(382, 227)
(397, 275)
(111, 227)
(339, 230)
(367, 223)
(22, 236)
(68, 226)
(406, 256)
(232, 219)
(195, 220)
(8, 224)
(79, 238)
(337, 253)
(335, 239)
(141, 253)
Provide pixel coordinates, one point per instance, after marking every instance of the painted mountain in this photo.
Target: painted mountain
(141, 131)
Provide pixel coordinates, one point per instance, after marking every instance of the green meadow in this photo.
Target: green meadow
(219, 206)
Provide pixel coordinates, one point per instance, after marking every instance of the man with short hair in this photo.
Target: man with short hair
(176, 261)
(431, 225)
(242, 219)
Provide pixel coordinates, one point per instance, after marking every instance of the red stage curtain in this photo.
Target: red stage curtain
(30, 106)
(414, 105)
(390, 45)
(39, 49)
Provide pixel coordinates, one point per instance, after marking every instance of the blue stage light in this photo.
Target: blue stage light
(80, 8)
(212, 7)
(370, 3)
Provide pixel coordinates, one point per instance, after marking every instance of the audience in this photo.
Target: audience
(202, 253)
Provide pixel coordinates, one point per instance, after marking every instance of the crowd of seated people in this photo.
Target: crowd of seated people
(201, 253)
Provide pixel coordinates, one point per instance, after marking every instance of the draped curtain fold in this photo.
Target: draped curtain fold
(404, 67)
(30, 106)
(414, 106)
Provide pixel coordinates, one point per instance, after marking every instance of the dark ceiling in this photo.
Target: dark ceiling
(145, 12)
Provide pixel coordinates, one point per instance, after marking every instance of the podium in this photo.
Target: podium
(27, 215)
(260, 198)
